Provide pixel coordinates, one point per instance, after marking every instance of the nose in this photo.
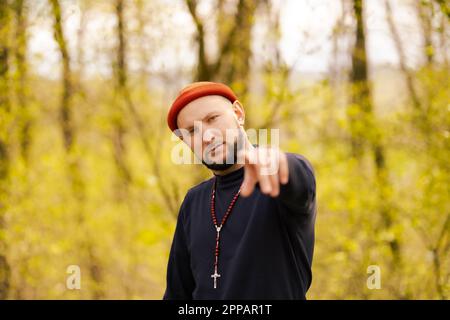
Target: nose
(208, 136)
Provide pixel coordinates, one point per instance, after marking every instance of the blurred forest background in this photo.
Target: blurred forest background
(361, 88)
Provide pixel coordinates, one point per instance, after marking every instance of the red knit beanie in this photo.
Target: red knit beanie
(194, 91)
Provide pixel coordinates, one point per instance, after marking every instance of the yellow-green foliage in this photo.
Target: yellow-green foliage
(76, 207)
(121, 242)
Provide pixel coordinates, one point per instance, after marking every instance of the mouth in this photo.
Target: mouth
(212, 150)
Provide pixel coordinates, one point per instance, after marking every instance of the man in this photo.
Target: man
(248, 232)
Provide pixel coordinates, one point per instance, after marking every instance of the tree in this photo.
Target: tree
(361, 104)
(423, 112)
(233, 60)
(126, 106)
(20, 12)
(68, 132)
(5, 271)
(120, 72)
(364, 130)
(402, 57)
(65, 107)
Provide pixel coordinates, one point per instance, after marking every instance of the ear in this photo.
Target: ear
(238, 110)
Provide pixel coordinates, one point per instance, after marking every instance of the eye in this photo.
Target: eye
(212, 118)
(193, 130)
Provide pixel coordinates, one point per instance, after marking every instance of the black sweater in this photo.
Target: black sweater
(266, 244)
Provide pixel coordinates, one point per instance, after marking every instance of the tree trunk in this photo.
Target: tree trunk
(425, 13)
(78, 187)
(171, 198)
(118, 114)
(65, 107)
(361, 104)
(237, 71)
(232, 62)
(365, 131)
(402, 58)
(5, 271)
(204, 72)
(21, 75)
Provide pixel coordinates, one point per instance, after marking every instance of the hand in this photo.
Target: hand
(265, 165)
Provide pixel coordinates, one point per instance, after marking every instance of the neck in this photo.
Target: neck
(234, 167)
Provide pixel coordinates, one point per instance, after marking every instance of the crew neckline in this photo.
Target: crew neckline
(229, 179)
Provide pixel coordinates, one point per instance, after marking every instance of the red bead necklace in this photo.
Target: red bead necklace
(215, 275)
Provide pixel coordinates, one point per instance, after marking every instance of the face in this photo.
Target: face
(212, 127)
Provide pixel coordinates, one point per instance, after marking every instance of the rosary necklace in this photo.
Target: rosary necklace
(216, 275)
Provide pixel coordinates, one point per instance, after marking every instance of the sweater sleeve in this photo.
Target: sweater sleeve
(300, 192)
(180, 281)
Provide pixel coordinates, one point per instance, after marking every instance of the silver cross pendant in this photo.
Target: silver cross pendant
(215, 276)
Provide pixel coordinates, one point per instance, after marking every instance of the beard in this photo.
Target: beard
(231, 156)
